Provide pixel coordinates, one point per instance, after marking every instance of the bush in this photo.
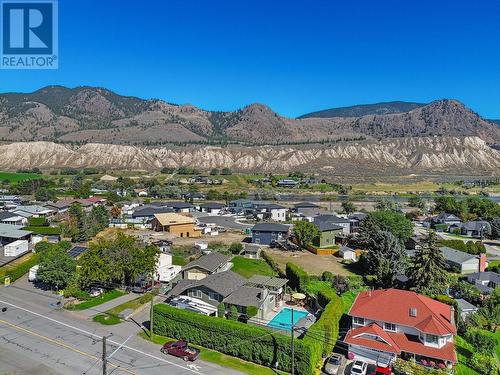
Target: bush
(326, 329)
(297, 277)
(327, 276)
(269, 260)
(250, 343)
(484, 341)
(236, 248)
(482, 363)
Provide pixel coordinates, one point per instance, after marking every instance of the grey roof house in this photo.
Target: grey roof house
(460, 261)
(486, 282)
(446, 218)
(266, 233)
(337, 220)
(205, 296)
(477, 228)
(206, 265)
(465, 308)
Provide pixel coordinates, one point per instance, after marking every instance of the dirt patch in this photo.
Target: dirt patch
(311, 263)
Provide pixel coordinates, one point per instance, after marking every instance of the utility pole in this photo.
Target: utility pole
(152, 309)
(104, 356)
(293, 349)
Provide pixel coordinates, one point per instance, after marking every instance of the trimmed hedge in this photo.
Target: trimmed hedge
(326, 329)
(250, 343)
(22, 268)
(272, 263)
(297, 277)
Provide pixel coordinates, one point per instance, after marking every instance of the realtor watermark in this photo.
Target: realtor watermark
(29, 34)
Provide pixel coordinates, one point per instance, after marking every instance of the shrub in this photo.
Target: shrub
(482, 363)
(236, 248)
(272, 263)
(297, 277)
(251, 311)
(233, 313)
(327, 276)
(221, 310)
(250, 343)
(484, 341)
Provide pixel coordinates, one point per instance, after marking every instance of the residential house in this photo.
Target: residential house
(446, 219)
(337, 220)
(462, 262)
(266, 233)
(206, 265)
(205, 295)
(240, 205)
(391, 323)
(166, 272)
(33, 211)
(355, 220)
(12, 219)
(299, 207)
(477, 228)
(465, 308)
(287, 183)
(141, 192)
(414, 242)
(212, 208)
(147, 213)
(275, 285)
(327, 233)
(270, 211)
(486, 282)
(180, 225)
(180, 207)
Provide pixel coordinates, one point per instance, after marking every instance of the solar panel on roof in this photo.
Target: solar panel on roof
(76, 251)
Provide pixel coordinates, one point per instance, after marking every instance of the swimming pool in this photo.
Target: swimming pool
(283, 320)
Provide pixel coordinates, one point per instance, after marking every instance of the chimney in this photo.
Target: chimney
(482, 262)
(452, 314)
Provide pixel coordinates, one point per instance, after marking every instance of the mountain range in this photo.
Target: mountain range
(86, 126)
(88, 114)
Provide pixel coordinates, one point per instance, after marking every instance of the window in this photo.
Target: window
(390, 327)
(196, 293)
(360, 321)
(431, 339)
(213, 296)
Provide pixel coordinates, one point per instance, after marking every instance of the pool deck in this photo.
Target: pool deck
(303, 323)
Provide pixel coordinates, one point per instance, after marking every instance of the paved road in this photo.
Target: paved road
(37, 337)
(224, 221)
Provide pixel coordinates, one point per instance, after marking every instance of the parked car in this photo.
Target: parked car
(383, 371)
(182, 350)
(334, 364)
(359, 368)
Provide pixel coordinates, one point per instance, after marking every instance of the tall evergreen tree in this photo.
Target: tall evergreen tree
(428, 271)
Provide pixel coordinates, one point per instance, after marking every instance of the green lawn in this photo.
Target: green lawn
(110, 316)
(464, 351)
(105, 297)
(221, 359)
(493, 263)
(316, 285)
(19, 267)
(179, 260)
(44, 230)
(16, 177)
(249, 267)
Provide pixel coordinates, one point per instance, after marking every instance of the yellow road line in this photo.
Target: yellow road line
(63, 345)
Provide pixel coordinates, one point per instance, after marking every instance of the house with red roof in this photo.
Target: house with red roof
(391, 323)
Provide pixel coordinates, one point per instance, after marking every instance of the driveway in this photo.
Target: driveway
(224, 221)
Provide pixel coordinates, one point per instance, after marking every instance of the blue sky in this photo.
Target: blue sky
(295, 56)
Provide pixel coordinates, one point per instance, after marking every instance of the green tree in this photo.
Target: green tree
(348, 207)
(226, 171)
(305, 232)
(236, 248)
(416, 201)
(56, 267)
(386, 258)
(385, 204)
(385, 221)
(428, 269)
(214, 172)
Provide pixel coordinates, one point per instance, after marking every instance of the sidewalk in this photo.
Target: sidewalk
(88, 313)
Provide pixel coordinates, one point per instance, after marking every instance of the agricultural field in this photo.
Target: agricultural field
(16, 177)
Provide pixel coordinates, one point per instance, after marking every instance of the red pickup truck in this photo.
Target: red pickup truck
(182, 350)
